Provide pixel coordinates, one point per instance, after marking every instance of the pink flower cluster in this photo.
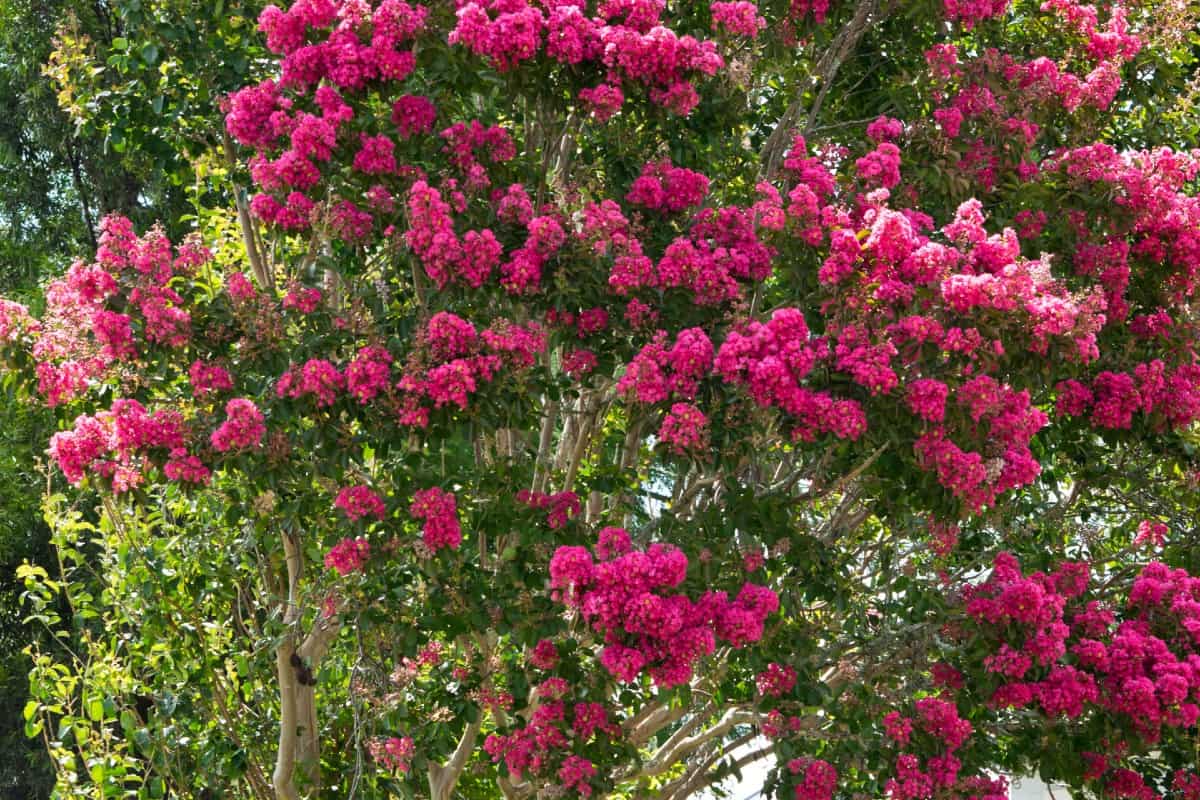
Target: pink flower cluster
(772, 359)
(628, 39)
(663, 187)
(972, 12)
(628, 597)
(303, 300)
(739, 17)
(684, 429)
(1152, 533)
(439, 511)
(469, 359)
(447, 258)
(394, 753)
(560, 507)
(937, 719)
(357, 502)
(880, 167)
(544, 655)
(79, 340)
(327, 49)
(348, 555)
(658, 372)
(575, 773)
(1165, 397)
(1005, 421)
(368, 375)
(466, 143)
(1072, 657)
(776, 680)
(15, 321)
(555, 726)
(316, 377)
(243, 427)
(120, 444)
(818, 778)
(207, 378)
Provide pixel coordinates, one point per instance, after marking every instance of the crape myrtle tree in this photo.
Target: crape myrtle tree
(604, 397)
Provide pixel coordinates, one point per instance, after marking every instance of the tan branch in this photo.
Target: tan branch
(265, 279)
(283, 779)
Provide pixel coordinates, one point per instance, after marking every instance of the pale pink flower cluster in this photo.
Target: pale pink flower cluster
(79, 340)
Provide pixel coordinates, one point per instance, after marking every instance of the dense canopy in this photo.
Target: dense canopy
(555, 398)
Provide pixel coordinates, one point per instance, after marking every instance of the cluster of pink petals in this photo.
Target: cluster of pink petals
(723, 248)
(971, 12)
(244, 426)
(1068, 657)
(360, 501)
(740, 17)
(627, 39)
(555, 727)
(560, 507)
(368, 374)
(664, 187)
(817, 778)
(207, 378)
(303, 300)
(1007, 421)
(772, 360)
(120, 444)
(630, 596)
(659, 372)
(1152, 533)
(348, 555)
(316, 377)
(938, 719)
(776, 680)
(298, 125)
(465, 361)
(79, 339)
(439, 511)
(393, 753)
(684, 429)
(544, 655)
